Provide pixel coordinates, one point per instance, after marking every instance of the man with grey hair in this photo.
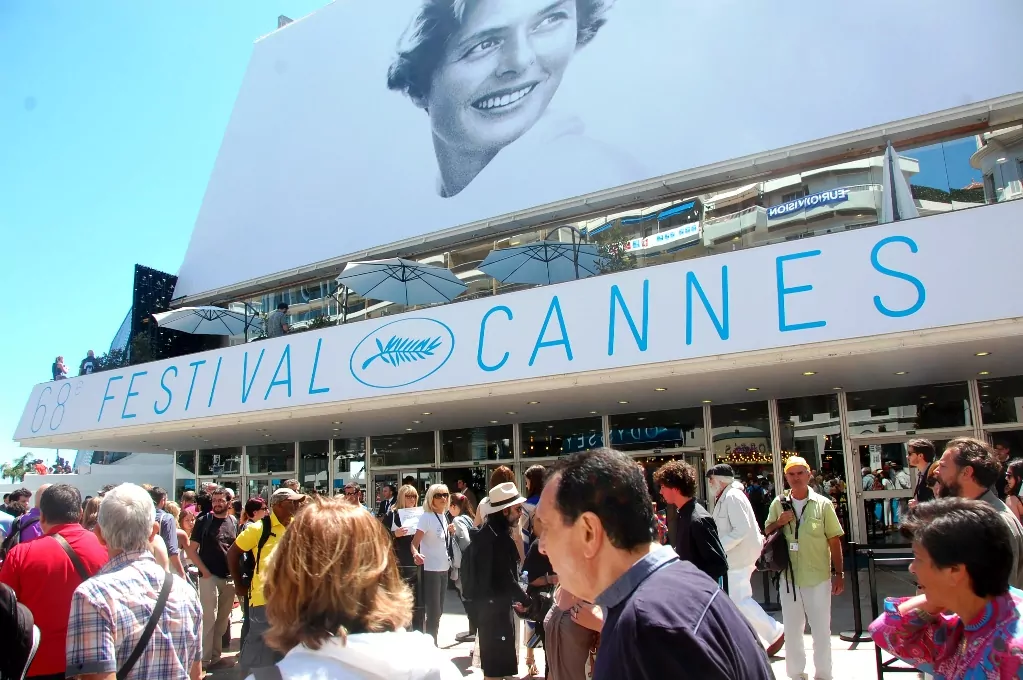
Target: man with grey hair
(105, 629)
(740, 537)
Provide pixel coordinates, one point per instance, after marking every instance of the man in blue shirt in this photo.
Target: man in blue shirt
(663, 617)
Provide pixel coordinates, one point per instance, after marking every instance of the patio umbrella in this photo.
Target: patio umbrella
(208, 321)
(898, 198)
(401, 281)
(543, 262)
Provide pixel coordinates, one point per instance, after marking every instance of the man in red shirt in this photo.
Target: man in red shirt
(44, 577)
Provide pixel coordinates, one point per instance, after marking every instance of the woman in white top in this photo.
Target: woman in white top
(430, 550)
(337, 606)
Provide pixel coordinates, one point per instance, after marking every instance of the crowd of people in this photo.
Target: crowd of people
(132, 584)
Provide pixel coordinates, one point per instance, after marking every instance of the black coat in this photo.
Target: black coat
(497, 564)
(696, 540)
(402, 544)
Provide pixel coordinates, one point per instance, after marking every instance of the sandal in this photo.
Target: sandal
(531, 670)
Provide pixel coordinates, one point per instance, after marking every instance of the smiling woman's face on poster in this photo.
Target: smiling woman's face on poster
(485, 71)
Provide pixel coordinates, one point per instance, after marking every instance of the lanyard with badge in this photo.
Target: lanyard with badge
(794, 544)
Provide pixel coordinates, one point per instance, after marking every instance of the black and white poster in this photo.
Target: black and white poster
(366, 123)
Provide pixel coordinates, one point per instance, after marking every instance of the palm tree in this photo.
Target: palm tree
(17, 469)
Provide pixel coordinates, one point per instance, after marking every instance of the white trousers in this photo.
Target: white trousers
(740, 589)
(813, 605)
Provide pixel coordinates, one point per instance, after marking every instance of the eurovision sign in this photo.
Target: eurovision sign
(808, 202)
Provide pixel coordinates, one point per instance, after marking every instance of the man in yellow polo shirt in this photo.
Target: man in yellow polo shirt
(283, 504)
(814, 534)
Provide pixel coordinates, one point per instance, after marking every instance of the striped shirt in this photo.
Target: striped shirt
(110, 611)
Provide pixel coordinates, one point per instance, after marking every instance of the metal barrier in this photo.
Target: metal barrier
(858, 634)
(882, 665)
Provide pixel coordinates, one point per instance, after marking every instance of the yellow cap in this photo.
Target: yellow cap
(796, 461)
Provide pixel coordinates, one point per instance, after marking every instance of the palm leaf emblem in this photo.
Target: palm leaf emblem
(403, 350)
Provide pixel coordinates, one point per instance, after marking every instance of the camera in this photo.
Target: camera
(786, 504)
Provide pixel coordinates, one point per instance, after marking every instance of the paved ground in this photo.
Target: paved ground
(851, 661)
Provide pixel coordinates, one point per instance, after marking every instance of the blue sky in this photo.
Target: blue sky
(111, 115)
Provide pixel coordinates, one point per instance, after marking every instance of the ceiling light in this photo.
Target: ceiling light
(836, 388)
(417, 421)
(530, 403)
(336, 429)
(640, 418)
(901, 372)
(260, 429)
(981, 354)
(752, 389)
(266, 435)
(809, 372)
(408, 429)
(427, 413)
(660, 389)
(706, 401)
(623, 402)
(493, 422)
(511, 413)
(593, 413)
(984, 373)
(336, 422)
(742, 409)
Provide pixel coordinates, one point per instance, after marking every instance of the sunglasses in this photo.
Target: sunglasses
(441, 495)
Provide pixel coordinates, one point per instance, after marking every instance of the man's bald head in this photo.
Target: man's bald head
(39, 492)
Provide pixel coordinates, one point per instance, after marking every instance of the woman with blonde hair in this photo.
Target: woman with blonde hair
(430, 551)
(407, 498)
(336, 604)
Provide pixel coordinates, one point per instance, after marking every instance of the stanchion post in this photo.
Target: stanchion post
(857, 634)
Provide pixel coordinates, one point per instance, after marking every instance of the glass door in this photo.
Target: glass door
(263, 487)
(886, 483)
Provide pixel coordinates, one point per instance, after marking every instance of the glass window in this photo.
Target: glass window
(185, 461)
(271, 458)
(902, 409)
(657, 430)
(1001, 400)
(411, 448)
(264, 488)
(809, 427)
(476, 443)
(225, 461)
(742, 439)
(314, 465)
(561, 437)
(349, 460)
(181, 485)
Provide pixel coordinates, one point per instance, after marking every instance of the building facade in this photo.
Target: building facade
(747, 305)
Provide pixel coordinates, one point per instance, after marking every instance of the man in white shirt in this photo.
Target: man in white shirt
(740, 537)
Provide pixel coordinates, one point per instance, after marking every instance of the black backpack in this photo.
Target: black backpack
(774, 556)
(14, 538)
(469, 571)
(250, 562)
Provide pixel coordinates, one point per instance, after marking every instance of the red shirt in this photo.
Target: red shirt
(44, 579)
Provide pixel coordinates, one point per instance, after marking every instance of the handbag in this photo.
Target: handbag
(154, 618)
(774, 556)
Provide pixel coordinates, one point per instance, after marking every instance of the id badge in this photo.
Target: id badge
(794, 547)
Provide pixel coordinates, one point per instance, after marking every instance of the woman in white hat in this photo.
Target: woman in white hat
(496, 586)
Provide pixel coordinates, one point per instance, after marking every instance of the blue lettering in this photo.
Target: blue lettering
(274, 381)
(640, 337)
(540, 342)
(483, 331)
(127, 397)
(783, 291)
(312, 378)
(245, 372)
(170, 395)
(195, 370)
(216, 374)
(106, 396)
(921, 292)
(721, 325)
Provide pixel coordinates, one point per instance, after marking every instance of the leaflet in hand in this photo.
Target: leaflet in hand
(409, 518)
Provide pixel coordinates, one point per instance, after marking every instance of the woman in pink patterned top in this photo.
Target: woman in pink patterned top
(967, 624)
